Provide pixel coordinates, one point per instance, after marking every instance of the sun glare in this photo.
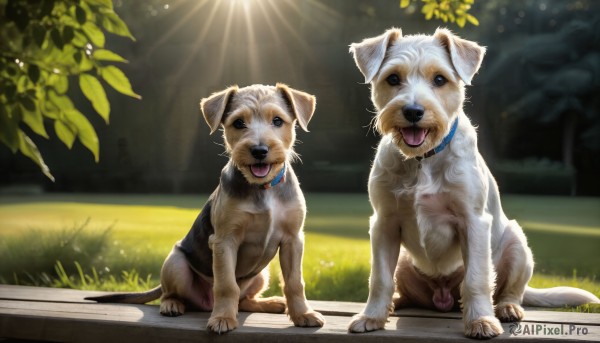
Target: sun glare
(242, 42)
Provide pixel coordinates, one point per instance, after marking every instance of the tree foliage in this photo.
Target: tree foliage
(453, 11)
(45, 47)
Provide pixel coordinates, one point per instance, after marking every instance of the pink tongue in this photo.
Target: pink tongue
(260, 169)
(414, 136)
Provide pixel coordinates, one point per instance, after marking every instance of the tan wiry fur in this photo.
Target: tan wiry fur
(438, 225)
(222, 263)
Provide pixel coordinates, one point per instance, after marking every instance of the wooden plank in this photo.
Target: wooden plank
(62, 315)
(71, 322)
(26, 293)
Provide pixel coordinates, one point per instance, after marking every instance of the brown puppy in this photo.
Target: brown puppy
(257, 209)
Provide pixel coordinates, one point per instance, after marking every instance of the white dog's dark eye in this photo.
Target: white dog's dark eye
(239, 124)
(439, 81)
(277, 122)
(393, 80)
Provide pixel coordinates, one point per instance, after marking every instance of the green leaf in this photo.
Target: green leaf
(80, 40)
(56, 38)
(461, 21)
(61, 101)
(65, 133)
(49, 109)
(117, 80)
(107, 55)
(35, 121)
(93, 90)
(59, 82)
(113, 24)
(29, 149)
(33, 72)
(80, 15)
(429, 8)
(27, 103)
(101, 3)
(77, 56)
(9, 125)
(404, 3)
(39, 35)
(472, 20)
(85, 64)
(68, 34)
(85, 131)
(95, 35)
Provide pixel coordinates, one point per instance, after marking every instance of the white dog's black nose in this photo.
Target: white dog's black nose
(259, 151)
(413, 113)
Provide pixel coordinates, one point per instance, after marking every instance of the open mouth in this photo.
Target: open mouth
(260, 170)
(414, 136)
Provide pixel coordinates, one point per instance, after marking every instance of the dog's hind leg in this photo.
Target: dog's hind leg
(176, 280)
(514, 268)
(250, 300)
(412, 290)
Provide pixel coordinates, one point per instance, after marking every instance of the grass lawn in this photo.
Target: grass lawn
(564, 234)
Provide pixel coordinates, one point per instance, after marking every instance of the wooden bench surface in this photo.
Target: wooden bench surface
(61, 315)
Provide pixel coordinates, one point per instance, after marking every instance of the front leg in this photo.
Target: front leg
(385, 248)
(290, 258)
(226, 290)
(478, 284)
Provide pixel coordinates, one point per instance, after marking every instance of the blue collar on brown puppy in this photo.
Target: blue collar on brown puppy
(280, 177)
(442, 145)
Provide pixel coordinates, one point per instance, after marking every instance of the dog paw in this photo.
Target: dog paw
(171, 308)
(509, 312)
(483, 328)
(310, 318)
(221, 324)
(361, 323)
(276, 305)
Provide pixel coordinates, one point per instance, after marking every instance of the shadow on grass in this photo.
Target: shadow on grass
(75, 258)
(562, 254)
(30, 258)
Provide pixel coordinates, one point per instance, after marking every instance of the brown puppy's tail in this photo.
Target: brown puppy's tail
(558, 297)
(129, 298)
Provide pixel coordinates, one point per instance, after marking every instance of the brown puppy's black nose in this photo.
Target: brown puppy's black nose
(259, 151)
(413, 113)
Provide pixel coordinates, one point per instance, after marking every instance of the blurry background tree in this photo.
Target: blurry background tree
(44, 47)
(453, 11)
(541, 81)
(534, 99)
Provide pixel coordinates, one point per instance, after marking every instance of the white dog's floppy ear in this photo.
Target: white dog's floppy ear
(466, 56)
(369, 53)
(303, 104)
(213, 108)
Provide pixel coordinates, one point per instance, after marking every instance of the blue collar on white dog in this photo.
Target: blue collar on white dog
(277, 180)
(443, 144)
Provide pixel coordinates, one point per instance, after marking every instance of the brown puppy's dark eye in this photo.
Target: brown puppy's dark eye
(439, 81)
(277, 122)
(239, 124)
(393, 80)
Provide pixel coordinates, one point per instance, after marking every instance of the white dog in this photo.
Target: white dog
(433, 194)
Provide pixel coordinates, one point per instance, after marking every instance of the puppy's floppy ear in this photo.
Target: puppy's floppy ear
(302, 104)
(369, 53)
(466, 56)
(213, 108)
